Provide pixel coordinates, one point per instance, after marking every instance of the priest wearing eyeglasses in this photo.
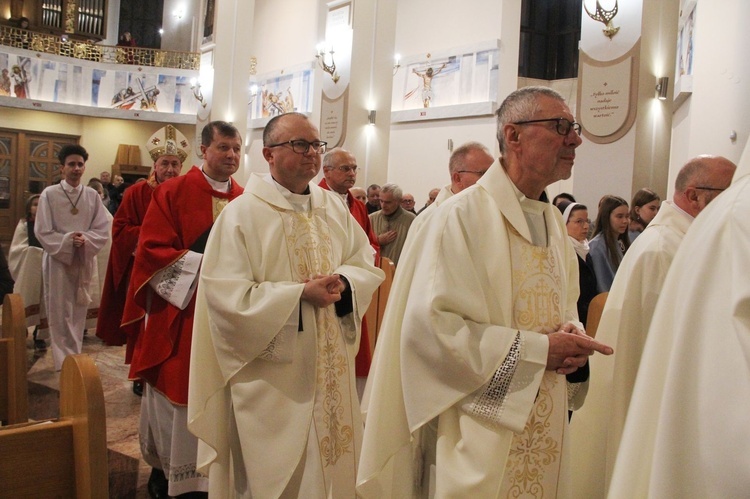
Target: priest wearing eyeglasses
(287, 277)
(482, 329)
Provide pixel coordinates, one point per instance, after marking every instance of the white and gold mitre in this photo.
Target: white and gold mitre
(168, 141)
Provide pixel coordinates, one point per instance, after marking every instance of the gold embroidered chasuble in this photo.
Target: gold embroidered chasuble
(534, 460)
(278, 370)
(310, 248)
(471, 290)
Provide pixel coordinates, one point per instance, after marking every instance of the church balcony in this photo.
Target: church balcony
(59, 74)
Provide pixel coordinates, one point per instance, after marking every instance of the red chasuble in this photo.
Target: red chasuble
(181, 211)
(359, 211)
(126, 226)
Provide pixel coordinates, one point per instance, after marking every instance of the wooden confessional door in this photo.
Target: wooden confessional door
(28, 164)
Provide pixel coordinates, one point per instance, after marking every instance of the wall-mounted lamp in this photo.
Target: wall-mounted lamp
(195, 86)
(64, 38)
(396, 63)
(662, 85)
(371, 117)
(328, 68)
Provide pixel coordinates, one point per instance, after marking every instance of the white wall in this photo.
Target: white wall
(720, 102)
(418, 156)
(181, 34)
(277, 49)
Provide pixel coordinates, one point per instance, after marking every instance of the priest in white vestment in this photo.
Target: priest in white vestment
(482, 328)
(72, 226)
(597, 427)
(287, 277)
(686, 431)
(466, 166)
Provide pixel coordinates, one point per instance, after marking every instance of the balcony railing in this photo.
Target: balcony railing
(59, 45)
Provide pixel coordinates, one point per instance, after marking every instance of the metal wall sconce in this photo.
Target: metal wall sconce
(195, 86)
(662, 85)
(396, 64)
(371, 117)
(328, 68)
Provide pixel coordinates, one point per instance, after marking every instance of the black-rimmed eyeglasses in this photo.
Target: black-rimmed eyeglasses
(710, 188)
(563, 125)
(302, 146)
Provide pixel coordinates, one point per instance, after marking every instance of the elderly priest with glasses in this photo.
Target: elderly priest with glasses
(287, 277)
(482, 329)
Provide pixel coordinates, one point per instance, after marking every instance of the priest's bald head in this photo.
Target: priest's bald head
(700, 181)
(467, 164)
(292, 147)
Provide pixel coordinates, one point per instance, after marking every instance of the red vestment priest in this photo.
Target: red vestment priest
(179, 218)
(126, 228)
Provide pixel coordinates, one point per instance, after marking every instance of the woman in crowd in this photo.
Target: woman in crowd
(610, 240)
(25, 264)
(643, 209)
(576, 217)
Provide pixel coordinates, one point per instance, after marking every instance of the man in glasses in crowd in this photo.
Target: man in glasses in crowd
(466, 166)
(161, 303)
(627, 317)
(483, 327)
(287, 278)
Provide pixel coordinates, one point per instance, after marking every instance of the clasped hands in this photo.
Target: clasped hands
(570, 348)
(323, 290)
(78, 240)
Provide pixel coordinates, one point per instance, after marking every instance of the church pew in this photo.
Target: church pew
(66, 457)
(379, 300)
(594, 315)
(14, 395)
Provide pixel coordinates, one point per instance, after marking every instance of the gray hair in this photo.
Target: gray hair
(328, 158)
(393, 189)
(519, 106)
(459, 155)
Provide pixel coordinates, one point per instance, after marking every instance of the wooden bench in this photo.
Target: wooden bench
(14, 394)
(66, 457)
(379, 300)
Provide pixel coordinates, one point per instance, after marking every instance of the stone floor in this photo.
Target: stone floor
(128, 473)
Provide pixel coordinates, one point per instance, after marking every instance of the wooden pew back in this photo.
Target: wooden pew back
(65, 457)
(14, 391)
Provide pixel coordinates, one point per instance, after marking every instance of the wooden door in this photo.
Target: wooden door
(8, 176)
(28, 164)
